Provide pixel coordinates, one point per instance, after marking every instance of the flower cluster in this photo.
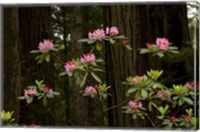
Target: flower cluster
(38, 91)
(134, 105)
(137, 79)
(162, 43)
(70, 65)
(125, 41)
(186, 118)
(96, 34)
(161, 46)
(30, 92)
(161, 94)
(47, 89)
(173, 118)
(87, 58)
(113, 31)
(90, 90)
(45, 46)
(191, 85)
(99, 34)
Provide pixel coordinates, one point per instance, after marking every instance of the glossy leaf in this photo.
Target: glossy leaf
(96, 77)
(84, 80)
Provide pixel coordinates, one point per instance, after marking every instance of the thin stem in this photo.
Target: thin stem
(150, 120)
(115, 106)
(57, 59)
(101, 105)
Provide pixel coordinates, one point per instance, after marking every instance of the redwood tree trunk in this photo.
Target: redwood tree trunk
(141, 24)
(35, 26)
(11, 62)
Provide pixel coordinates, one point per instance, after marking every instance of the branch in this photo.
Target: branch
(115, 106)
(150, 120)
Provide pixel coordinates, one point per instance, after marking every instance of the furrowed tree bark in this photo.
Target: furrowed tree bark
(141, 24)
(35, 26)
(11, 62)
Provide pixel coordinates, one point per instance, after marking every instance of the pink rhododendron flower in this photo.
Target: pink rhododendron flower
(135, 80)
(45, 46)
(114, 31)
(29, 92)
(187, 118)
(47, 89)
(159, 94)
(173, 118)
(70, 65)
(134, 105)
(86, 58)
(97, 34)
(107, 30)
(191, 85)
(168, 93)
(162, 43)
(140, 104)
(90, 90)
(124, 41)
(148, 45)
(144, 77)
(33, 125)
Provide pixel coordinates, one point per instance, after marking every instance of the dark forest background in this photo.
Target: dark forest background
(24, 27)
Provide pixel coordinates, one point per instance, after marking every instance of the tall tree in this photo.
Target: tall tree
(35, 25)
(141, 24)
(11, 62)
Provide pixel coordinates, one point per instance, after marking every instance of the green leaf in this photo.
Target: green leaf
(39, 83)
(93, 63)
(96, 77)
(188, 100)
(83, 40)
(163, 110)
(130, 90)
(99, 60)
(56, 93)
(90, 41)
(189, 111)
(120, 37)
(128, 47)
(160, 54)
(34, 51)
(40, 59)
(47, 58)
(45, 101)
(62, 73)
(144, 93)
(143, 51)
(97, 69)
(150, 106)
(80, 68)
(173, 47)
(138, 94)
(69, 73)
(31, 86)
(29, 100)
(174, 51)
(111, 41)
(49, 95)
(99, 46)
(21, 97)
(84, 79)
